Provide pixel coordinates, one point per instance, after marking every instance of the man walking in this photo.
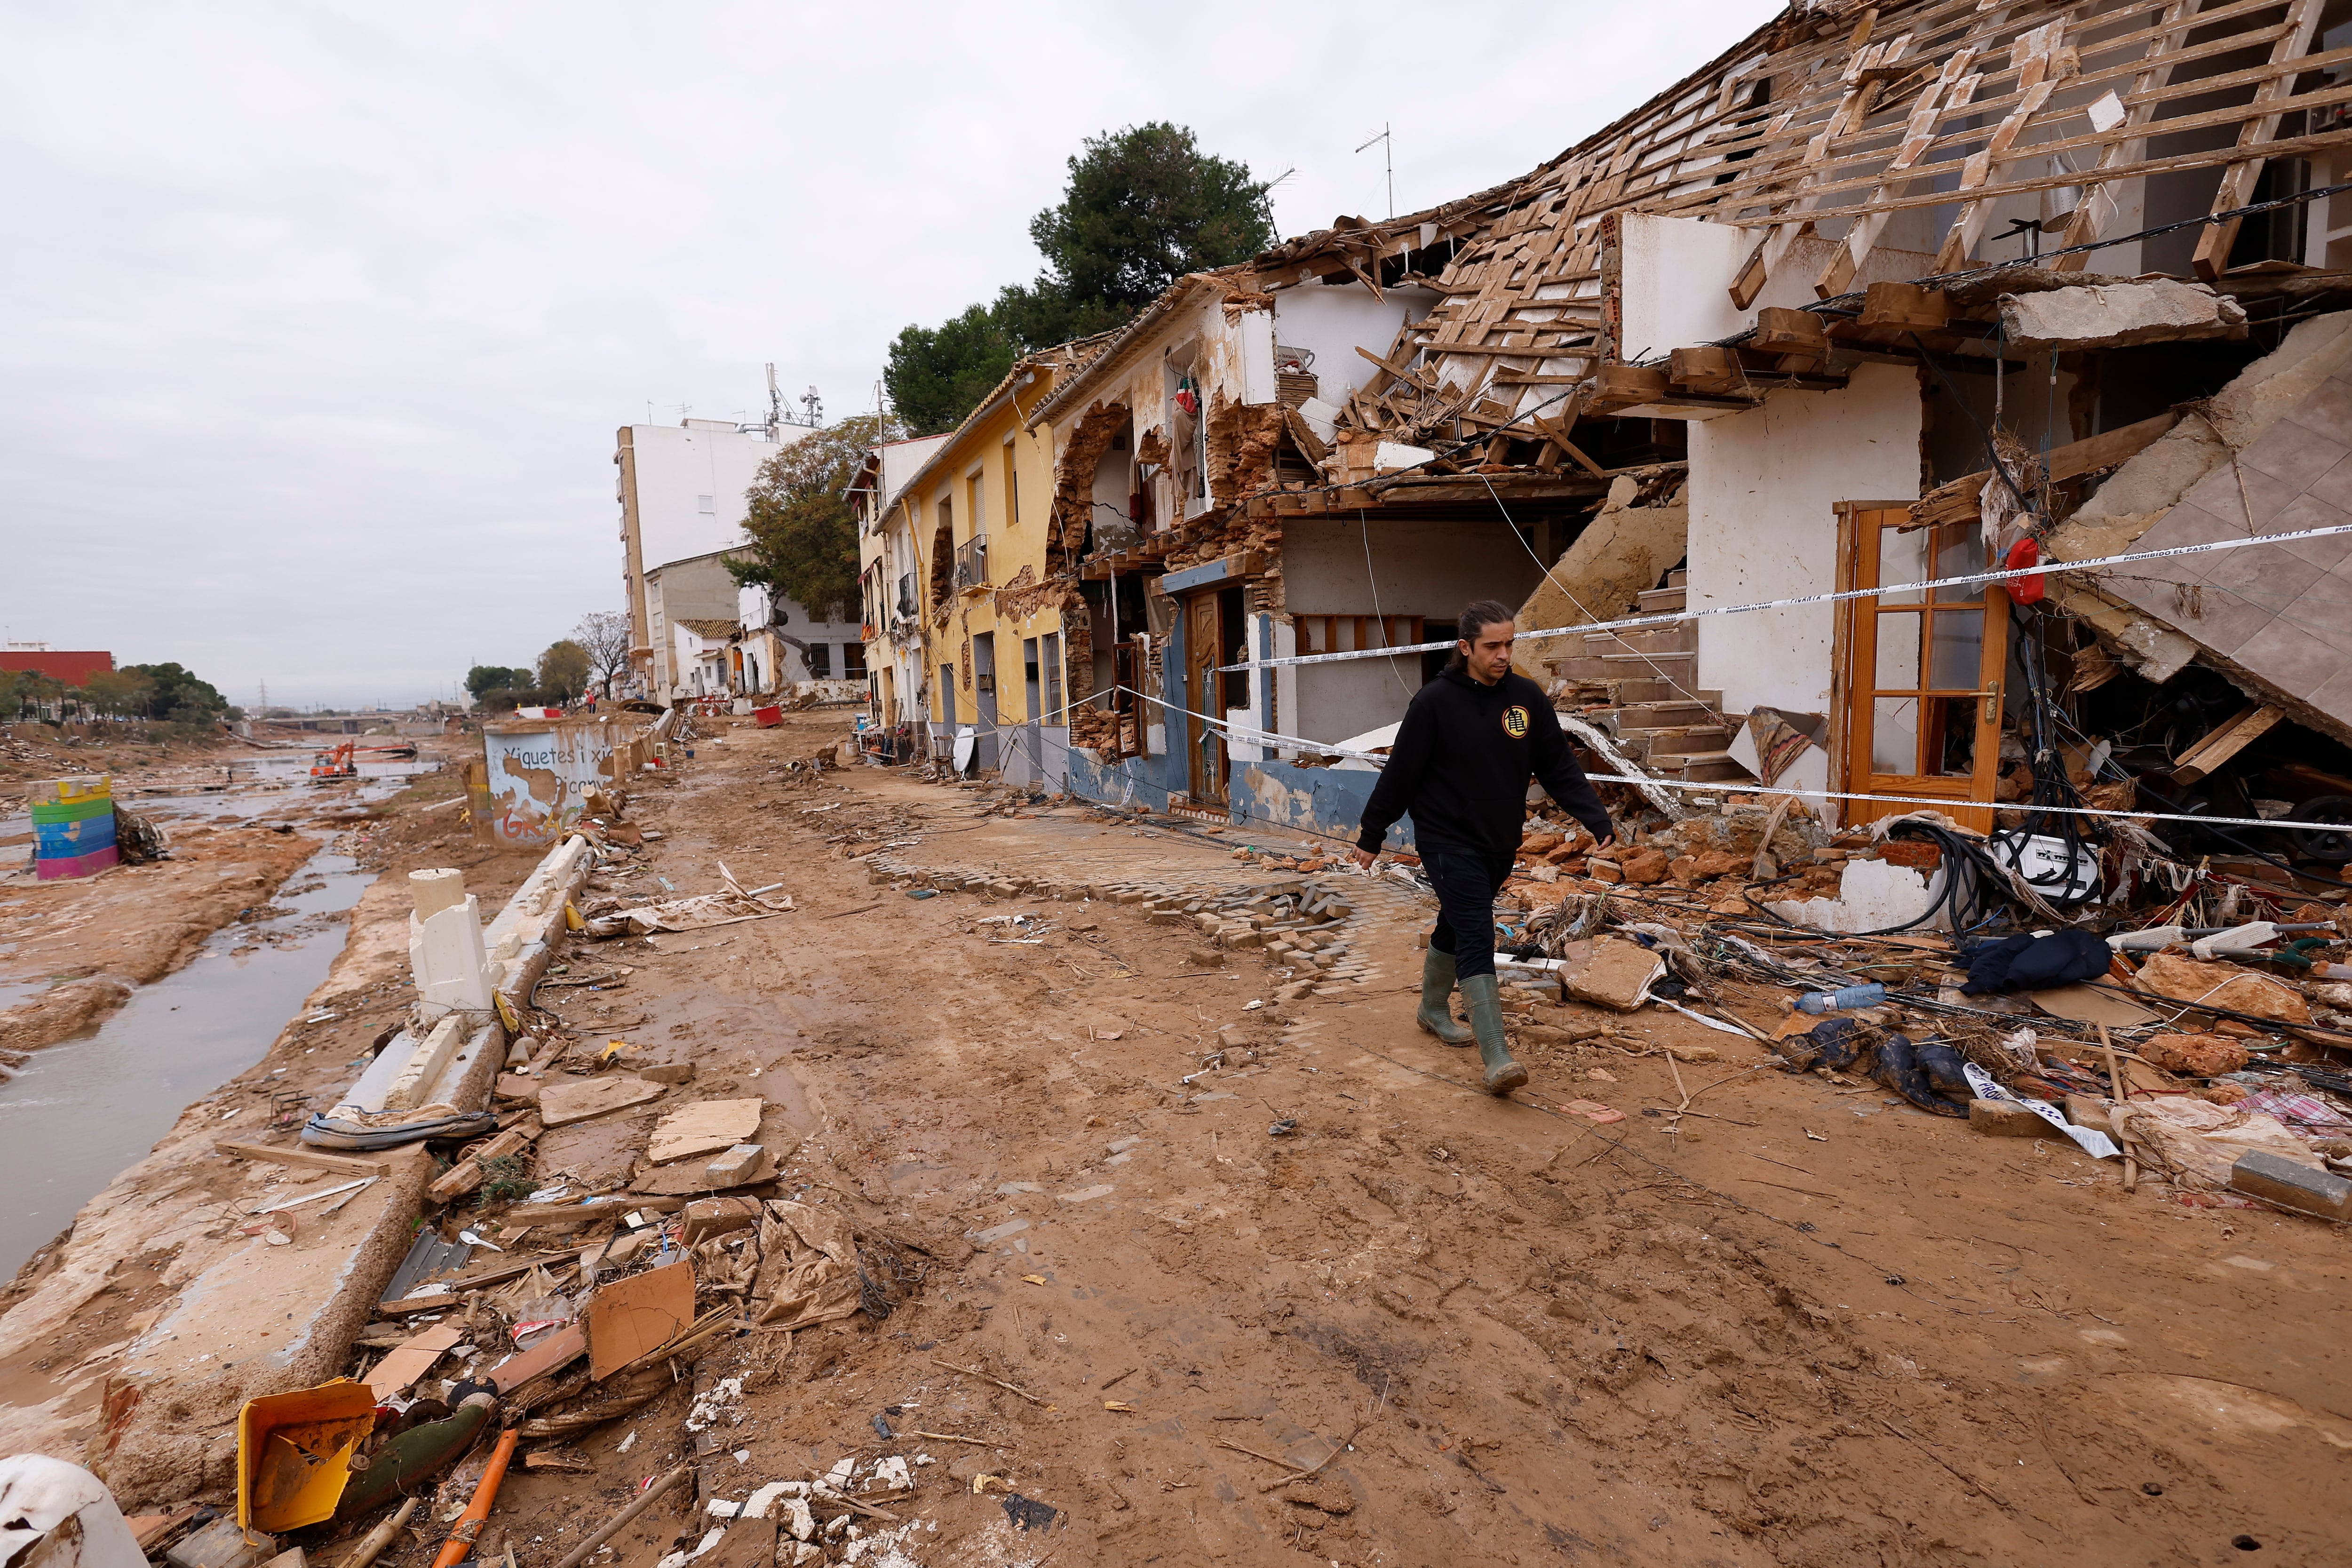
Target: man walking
(1470, 741)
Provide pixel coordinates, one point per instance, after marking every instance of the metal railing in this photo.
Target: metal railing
(972, 564)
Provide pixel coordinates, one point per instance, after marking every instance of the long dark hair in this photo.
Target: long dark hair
(1476, 619)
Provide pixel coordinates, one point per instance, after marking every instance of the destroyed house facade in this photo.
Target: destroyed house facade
(1795, 325)
(1192, 523)
(965, 620)
(1817, 267)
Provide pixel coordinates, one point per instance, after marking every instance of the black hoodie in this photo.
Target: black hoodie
(1461, 765)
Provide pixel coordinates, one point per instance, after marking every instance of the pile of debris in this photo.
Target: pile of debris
(2206, 1043)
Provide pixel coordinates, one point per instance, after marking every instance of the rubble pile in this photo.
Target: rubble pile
(2211, 1059)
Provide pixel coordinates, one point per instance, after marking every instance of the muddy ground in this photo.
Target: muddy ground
(1814, 1326)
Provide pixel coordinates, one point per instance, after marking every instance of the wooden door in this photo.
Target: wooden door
(1204, 638)
(1921, 669)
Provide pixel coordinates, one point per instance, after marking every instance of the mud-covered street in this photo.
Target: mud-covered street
(1812, 1325)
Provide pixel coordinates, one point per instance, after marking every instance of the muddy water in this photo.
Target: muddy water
(83, 1109)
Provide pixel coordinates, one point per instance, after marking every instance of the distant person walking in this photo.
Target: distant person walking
(1470, 741)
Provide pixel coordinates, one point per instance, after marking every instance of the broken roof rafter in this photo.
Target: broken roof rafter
(1853, 114)
(1738, 197)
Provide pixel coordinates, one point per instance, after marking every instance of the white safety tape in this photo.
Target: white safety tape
(1672, 618)
(1264, 737)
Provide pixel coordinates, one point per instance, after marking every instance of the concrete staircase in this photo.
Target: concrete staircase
(1644, 684)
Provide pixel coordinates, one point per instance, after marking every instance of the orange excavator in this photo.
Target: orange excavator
(343, 762)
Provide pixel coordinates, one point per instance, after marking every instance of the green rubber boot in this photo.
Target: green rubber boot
(1436, 1014)
(1484, 995)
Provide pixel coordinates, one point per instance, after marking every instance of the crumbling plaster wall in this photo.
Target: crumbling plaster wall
(1763, 489)
(1672, 278)
(1332, 320)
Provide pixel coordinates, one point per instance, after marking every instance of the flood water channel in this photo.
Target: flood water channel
(82, 1110)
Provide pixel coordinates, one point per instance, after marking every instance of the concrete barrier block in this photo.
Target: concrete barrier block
(2292, 1185)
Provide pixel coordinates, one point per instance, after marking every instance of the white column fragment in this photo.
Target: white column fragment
(444, 946)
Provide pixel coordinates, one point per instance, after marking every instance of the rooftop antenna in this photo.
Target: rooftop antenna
(813, 410)
(775, 403)
(1388, 159)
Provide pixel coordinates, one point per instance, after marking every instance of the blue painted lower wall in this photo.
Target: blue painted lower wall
(1318, 800)
(1135, 781)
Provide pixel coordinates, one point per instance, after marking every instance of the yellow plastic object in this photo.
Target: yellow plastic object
(294, 1453)
(572, 919)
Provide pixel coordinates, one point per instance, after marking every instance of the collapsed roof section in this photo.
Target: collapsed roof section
(1838, 146)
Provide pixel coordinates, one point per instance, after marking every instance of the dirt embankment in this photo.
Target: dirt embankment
(131, 1248)
(71, 951)
(1810, 1326)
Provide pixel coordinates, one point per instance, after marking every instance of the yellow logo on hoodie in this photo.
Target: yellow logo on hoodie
(1515, 723)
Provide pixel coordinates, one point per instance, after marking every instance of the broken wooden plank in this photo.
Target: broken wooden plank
(1957, 500)
(2099, 203)
(2209, 753)
(2214, 243)
(1951, 88)
(467, 1173)
(300, 1155)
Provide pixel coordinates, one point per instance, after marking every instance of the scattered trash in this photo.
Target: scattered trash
(1028, 1514)
(1845, 999)
(54, 1514)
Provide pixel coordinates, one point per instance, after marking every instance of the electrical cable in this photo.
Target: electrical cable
(1996, 574)
(1371, 580)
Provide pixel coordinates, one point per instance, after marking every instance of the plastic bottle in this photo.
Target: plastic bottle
(1850, 998)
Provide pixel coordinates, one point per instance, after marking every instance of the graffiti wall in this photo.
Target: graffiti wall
(535, 776)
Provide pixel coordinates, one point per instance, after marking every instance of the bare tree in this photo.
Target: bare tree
(606, 635)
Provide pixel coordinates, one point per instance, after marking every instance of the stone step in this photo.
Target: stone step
(1679, 579)
(1658, 745)
(1668, 663)
(1704, 767)
(1663, 715)
(1635, 691)
(1655, 639)
(1659, 601)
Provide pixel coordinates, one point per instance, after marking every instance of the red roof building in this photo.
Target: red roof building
(73, 669)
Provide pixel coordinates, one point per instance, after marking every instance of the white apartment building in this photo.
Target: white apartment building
(681, 490)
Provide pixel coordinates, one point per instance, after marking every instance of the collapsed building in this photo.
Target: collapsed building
(1882, 294)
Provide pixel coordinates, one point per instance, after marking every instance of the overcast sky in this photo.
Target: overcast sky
(316, 321)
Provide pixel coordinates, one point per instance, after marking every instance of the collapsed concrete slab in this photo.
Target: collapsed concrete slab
(2107, 316)
(2269, 453)
(434, 1078)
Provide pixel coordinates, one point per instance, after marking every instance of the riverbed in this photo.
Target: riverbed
(84, 1108)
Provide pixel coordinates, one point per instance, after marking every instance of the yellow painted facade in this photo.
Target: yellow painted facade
(978, 515)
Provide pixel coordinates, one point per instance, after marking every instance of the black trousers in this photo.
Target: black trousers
(1466, 883)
